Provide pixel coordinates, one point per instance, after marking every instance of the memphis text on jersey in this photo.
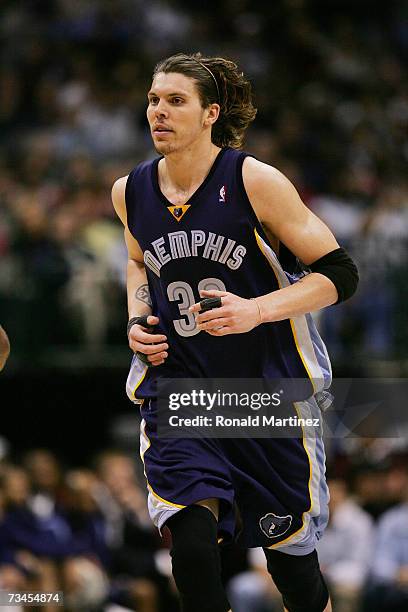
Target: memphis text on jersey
(195, 243)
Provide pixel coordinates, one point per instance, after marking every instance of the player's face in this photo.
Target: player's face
(175, 114)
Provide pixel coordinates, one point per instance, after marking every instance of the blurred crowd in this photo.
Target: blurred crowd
(332, 95)
(82, 531)
(85, 531)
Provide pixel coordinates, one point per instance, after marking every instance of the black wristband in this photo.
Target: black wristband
(142, 320)
(340, 269)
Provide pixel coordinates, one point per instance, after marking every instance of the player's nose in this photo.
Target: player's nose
(161, 109)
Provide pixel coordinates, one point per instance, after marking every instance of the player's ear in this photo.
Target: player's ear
(212, 114)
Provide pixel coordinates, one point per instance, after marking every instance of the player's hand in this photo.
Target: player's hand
(235, 316)
(155, 346)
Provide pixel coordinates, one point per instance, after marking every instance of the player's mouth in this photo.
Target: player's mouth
(161, 130)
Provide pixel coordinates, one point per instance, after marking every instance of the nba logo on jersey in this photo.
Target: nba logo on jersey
(223, 194)
(273, 525)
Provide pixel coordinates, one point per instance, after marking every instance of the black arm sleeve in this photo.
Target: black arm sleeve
(341, 270)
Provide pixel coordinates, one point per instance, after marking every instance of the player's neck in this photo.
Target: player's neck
(185, 170)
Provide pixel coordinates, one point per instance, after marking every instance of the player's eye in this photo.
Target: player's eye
(153, 100)
(177, 100)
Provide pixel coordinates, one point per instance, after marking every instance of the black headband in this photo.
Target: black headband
(213, 77)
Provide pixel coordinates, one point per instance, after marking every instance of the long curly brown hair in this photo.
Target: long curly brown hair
(218, 81)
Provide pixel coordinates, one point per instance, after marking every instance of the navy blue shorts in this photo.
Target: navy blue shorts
(272, 491)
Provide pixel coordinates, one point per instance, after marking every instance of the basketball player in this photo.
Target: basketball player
(4, 348)
(206, 220)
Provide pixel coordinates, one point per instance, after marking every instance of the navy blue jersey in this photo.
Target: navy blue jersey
(214, 241)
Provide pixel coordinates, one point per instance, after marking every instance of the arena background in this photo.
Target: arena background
(331, 88)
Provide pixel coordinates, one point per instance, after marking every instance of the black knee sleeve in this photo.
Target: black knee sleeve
(299, 580)
(196, 560)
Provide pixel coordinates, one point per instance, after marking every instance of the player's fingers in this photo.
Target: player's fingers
(138, 335)
(157, 363)
(152, 320)
(197, 306)
(222, 331)
(155, 349)
(213, 324)
(212, 293)
(209, 315)
(149, 349)
(154, 359)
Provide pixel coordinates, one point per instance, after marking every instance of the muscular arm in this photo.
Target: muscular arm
(139, 302)
(138, 296)
(4, 348)
(137, 288)
(285, 217)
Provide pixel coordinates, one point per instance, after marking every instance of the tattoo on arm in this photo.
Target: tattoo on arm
(143, 295)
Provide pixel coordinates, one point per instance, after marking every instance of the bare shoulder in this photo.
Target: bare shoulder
(262, 179)
(281, 211)
(270, 192)
(119, 204)
(118, 198)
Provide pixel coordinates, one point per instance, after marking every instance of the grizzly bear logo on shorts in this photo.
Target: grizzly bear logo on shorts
(273, 525)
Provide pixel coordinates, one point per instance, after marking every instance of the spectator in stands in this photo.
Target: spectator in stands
(388, 588)
(54, 548)
(346, 548)
(84, 572)
(45, 473)
(44, 273)
(136, 550)
(28, 544)
(253, 590)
